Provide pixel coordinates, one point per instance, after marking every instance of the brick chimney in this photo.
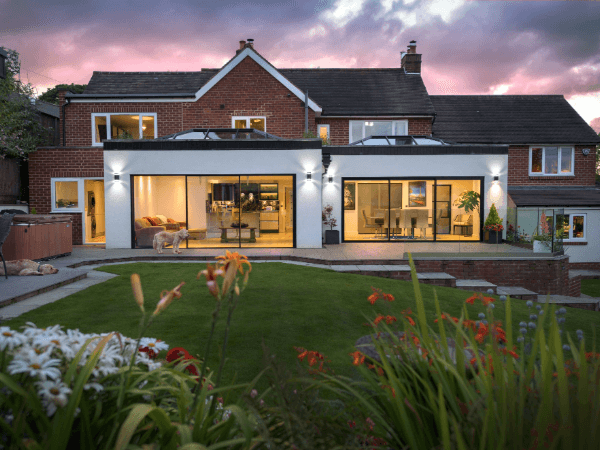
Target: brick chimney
(244, 44)
(411, 60)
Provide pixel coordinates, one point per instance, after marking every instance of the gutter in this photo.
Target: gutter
(172, 95)
(64, 122)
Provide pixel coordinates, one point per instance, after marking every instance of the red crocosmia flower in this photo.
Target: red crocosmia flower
(378, 319)
(471, 300)
(176, 353)
(385, 386)
(373, 298)
(390, 319)
(470, 324)
(416, 340)
(487, 300)
(388, 297)
(358, 358)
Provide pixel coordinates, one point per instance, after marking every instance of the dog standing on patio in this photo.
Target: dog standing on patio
(24, 267)
(175, 238)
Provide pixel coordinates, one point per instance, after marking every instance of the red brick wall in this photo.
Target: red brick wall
(518, 169)
(549, 276)
(59, 162)
(339, 129)
(247, 90)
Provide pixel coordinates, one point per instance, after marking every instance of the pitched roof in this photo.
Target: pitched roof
(148, 82)
(509, 119)
(582, 196)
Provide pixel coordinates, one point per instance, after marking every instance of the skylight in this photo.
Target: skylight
(220, 133)
(400, 140)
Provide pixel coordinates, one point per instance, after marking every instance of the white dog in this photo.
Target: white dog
(24, 267)
(175, 238)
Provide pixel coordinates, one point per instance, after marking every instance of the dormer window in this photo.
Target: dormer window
(360, 129)
(123, 126)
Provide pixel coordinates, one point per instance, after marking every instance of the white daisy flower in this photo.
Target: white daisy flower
(154, 344)
(97, 386)
(53, 394)
(35, 365)
(10, 339)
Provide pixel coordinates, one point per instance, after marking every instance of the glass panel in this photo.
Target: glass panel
(399, 128)
(443, 208)
(365, 210)
(378, 128)
(464, 222)
(124, 127)
(357, 130)
(578, 227)
(257, 124)
(94, 211)
(159, 205)
(536, 160)
(268, 207)
(396, 224)
(551, 165)
(148, 127)
(66, 195)
(100, 125)
(565, 159)
(240, 123)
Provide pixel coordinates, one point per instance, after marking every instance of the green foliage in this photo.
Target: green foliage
(469, 200)
(51, 95)
(311, 135)
(125, 135)
(20, 129)
(493, 218)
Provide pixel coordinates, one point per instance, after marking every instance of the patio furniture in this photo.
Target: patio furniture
(464, 221)
(197, 234)
(5, 221)
(373, 222)
(225, 238)
(422, 221)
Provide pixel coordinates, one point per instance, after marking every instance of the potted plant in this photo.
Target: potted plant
(493, 226)
(542, 240)
(331, 236)
(468, 200)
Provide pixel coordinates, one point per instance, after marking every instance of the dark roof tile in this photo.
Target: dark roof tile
(556, 197)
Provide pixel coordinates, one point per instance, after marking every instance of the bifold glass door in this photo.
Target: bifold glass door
(219, 211)
(408, 210)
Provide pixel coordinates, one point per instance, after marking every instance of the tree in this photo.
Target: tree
(20, 129)
(51, 95)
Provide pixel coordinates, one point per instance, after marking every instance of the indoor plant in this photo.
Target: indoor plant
(493, 226)
(468, 200)
(542, 240)
(331, 236)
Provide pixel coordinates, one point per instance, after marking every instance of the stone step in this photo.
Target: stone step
(584, 274)
(437, 279)
(591, 303)
(517, 292)
(476, 286)
(370, 268)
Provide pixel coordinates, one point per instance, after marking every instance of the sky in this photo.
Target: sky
(467, 46)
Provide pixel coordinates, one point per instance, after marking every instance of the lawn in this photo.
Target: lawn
(283, 306)
(590, 287)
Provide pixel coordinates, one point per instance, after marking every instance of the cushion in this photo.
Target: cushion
(153, 220)
(141, 223)
(171, 221)
(162, 219)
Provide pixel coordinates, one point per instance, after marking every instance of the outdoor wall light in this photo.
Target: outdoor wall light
(117, 177)
(308, 176)
(331, 179)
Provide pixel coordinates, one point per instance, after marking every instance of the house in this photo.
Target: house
(3, 58)
(213, 149)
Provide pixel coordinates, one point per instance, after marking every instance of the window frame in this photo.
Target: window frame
(544, 174)
(247, 119)
(324, 125)
(394, 131)
(108, 126)
(80, 192)
(571, 238)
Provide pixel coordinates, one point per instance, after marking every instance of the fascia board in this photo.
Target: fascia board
(269, 68)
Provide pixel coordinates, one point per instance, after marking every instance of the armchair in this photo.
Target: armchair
(463, 220)
(144, 232)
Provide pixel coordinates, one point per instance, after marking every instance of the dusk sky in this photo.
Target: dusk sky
(468, 47)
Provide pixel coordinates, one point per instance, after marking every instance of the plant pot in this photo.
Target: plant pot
(332, 237)
(494, 237)
(541, 247)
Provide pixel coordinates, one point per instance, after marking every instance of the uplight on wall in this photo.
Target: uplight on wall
(496, 178)
(117, 177)
(308, 176)
(330, 179)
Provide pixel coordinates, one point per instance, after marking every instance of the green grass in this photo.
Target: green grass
(590, 287)
(284, 305)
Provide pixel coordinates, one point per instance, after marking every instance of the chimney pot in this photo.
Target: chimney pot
(242, 43)
(251, 42)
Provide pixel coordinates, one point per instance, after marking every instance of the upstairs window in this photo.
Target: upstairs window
(551, 161)
(257, 123)
(123, 126)
(360, 129)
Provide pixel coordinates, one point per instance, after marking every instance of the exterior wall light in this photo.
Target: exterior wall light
(496, 178)
(308, 176)
(117, 177)
(331, 179)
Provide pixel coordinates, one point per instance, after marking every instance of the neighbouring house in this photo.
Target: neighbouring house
(3, 58)
(218, 148)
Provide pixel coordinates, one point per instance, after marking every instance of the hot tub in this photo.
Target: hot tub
(38, 236)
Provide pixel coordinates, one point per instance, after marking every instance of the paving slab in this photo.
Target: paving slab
(475, 283)
(435, 276)
(397, 268)
(514, 291)
(566, 299)
(584, 273)
(345, 268)
(371, 268)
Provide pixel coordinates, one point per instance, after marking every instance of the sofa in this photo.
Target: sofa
(147, 227)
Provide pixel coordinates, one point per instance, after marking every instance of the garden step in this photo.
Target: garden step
(437, 279)
(584, 274)
(517, 292)
(476, 285)
(591, 303)
(369, 268)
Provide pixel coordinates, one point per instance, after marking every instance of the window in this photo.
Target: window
(551, 161)
(123, 126)
(65, 194)
(323, 132)
(257, 123)
(360, 129)
(575, 227)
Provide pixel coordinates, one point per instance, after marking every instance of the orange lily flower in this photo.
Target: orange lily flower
(358, 357)
(236, 258)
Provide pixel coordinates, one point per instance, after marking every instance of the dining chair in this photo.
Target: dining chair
(463, 220)
(373, 222)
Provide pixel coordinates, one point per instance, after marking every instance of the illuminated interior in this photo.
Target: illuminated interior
(408, 210)
(218, 211)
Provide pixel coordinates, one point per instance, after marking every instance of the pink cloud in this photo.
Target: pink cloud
(595, 124)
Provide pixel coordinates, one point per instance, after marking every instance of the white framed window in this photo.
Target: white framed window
(67, 194)
(360, 129)
(257, 122)
(123, 126)
(551, 160)
(575, 226)
(323, 131)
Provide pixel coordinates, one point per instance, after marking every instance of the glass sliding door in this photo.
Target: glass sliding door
(463, 225)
